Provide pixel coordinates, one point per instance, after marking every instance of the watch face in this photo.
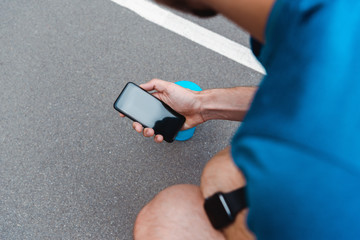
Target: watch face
(218, 211)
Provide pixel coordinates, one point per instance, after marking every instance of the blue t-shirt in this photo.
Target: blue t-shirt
(299, 145)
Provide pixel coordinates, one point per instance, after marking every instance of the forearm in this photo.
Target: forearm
(251, 15)
(227, 104)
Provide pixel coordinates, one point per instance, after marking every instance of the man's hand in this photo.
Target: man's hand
(198, 107)
(182, 100)
(196, 7)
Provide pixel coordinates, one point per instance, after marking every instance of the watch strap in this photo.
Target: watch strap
(236, 200)
(222, 208)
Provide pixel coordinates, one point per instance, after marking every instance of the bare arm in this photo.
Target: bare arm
(251, 15)
(198, 107)
(226, 103)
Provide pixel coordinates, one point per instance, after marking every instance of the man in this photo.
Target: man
(298, 144)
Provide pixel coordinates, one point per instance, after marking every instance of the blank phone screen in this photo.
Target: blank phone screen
(140, 106)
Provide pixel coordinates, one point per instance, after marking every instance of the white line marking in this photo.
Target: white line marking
(194, 32)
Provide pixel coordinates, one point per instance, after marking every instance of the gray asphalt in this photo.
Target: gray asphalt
(70, 167)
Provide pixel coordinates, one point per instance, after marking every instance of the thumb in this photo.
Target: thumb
(155, 84)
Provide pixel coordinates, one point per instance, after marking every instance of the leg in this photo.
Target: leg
(175, 213)
(178, 213)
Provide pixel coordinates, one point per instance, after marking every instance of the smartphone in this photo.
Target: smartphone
(140, 106)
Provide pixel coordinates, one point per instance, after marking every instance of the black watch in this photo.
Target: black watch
(221, 208)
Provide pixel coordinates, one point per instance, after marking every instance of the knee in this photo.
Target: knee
(175, 213)
(162, 215)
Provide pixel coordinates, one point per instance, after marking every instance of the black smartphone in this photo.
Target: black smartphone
(140, 106)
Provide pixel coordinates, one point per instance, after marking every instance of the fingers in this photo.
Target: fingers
(159, 138)
(138, 127)
(121, 115)
(155, 84)
(147, 132)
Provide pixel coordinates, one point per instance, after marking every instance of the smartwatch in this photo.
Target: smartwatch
(222, 208)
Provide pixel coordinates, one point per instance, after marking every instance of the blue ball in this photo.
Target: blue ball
(187, 134)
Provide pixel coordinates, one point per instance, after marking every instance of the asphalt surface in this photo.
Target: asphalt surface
(70, 167)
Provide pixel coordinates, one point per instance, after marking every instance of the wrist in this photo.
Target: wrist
(226, 104)
(209, 109)
(202, 98)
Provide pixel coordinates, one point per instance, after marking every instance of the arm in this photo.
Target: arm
(251, 15)
(199, 107)
(214, 180)
(227, 104)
